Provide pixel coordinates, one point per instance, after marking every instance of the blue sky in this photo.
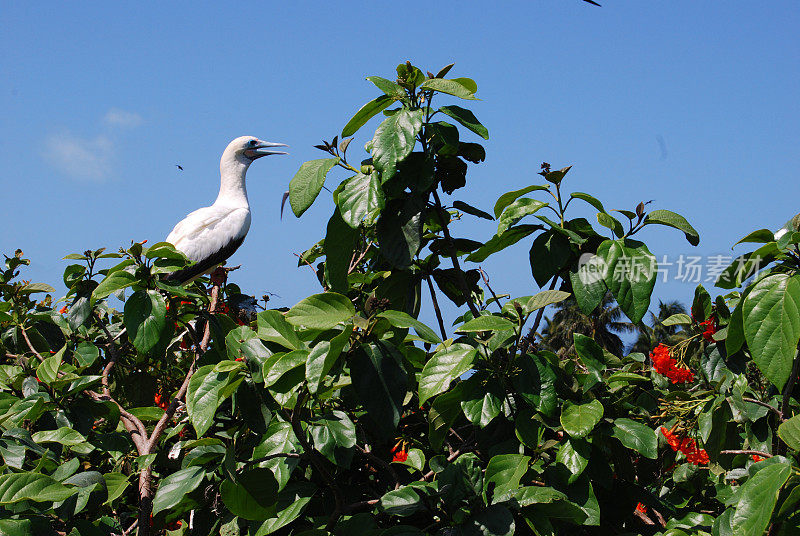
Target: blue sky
(692, 104)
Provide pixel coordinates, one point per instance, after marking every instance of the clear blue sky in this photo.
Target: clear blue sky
(692, 104)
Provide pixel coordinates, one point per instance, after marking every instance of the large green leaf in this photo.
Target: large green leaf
(548, 254)
(394, 140)
(18, 487)
(291, 503)
(204, 396)
(504, 472)
(579, 419)
(501, 242)
(463, 88)
(671, 219)
(64, 435)
(445, 366)
(517, 210)
(115, 281)
(466, 118)
(339, 244)
(771, 315)
(757, 499)
(588, 282)
(307, 183)
(545, 298)
(789, 432)
(630, 274)
(323, 356)
(172, 488)
(321, 311)
(403, 501)
(380, 381)
(365, 113)
(361, 196)
(392, 89)
(574, 454)
(145, 318)
(404, 320)
(509, 197)
(636, 436)
(273, 327)
(486, 323)
(745, 266)
(252, 496)
(444, 411)
(399, 231)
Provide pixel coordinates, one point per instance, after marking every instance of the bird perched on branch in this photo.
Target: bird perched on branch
(209, 235)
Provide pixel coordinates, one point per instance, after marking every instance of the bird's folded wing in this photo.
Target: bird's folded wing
(208, 230)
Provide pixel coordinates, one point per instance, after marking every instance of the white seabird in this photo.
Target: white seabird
(208, 236)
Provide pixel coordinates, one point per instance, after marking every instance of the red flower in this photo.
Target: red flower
(687, 446)
(239, 359)
(666, 365)
(642, 509)
(175, 525)
(710, 328)
(757, 458)
(63, 310)
(399, 454)
(161, 402)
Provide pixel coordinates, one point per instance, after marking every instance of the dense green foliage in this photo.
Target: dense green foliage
(196, 413)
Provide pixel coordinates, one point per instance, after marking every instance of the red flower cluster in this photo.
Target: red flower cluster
(757, 458)
(666, 365)
(63, 310)
(641, 508)
(399, 454)
(161, 402)
(709, 328)
(686, 445)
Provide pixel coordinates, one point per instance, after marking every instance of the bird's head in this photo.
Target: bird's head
(251, 148)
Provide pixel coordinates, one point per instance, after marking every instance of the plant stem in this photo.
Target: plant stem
(436, 307)
(540, 313)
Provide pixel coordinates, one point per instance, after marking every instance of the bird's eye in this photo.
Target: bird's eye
(252, 142)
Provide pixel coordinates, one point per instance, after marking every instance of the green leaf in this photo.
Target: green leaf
(145, 318)
(252, 496)
(636, 436)
(591, 355)
(588, 282)
(116, 484)
(745, 266)
(86, 353)
(463, 88)
(589, 199)
(339, 244)
(204, 396)
(789, 432)
(545, 298)
(469, 209)
(291, 503)
(321, 311)
(323, 356)
(64, 435)
(403, 501)
(172, 488)
(47, 371)
(762, 236)
(361, 196)
(671, 219)
(509, 197)
(678, 319)
(630, 274)
(275, 369)
(486, 323)
(18, 487)
(114, 282)
(771, 314)
(392, 89)
(485, 407)
(400, 319)
(757, 499)
(574, 454)
(399, 231)
(273, 327)
(445, 366)
(365, 113)
(32, 288)
(380, 381)
(307, 183)
(579, 419)
(499, 243)
(504, 472)
(549, 252)
(444, 411)
(466, 118)
(517, 210)
(394, 140)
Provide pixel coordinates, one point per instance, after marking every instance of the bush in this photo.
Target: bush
(196, 412)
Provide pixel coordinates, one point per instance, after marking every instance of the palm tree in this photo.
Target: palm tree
(657, 333)
(603, 325)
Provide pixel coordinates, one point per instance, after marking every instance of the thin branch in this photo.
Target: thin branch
(359, 506)
(273, 456)
(436, 308)
(354, 263)
(383, 463)
(30, 344)
(485, 278)
(764, 404)
(747, 451)
(540, 313)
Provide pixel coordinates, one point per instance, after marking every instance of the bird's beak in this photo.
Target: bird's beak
(264, 148)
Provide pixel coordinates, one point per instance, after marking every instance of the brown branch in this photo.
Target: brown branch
(383, 463)
(541, 311)
(436, 307)
(354, 262)
(30, 344)
(485, 278)
(359, 505)
(747, 451)
(273, 456)
(764, 404)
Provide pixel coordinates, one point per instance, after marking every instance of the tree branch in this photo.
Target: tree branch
(764, 404)
(30, 344)
(436, 308)
(747, 451)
